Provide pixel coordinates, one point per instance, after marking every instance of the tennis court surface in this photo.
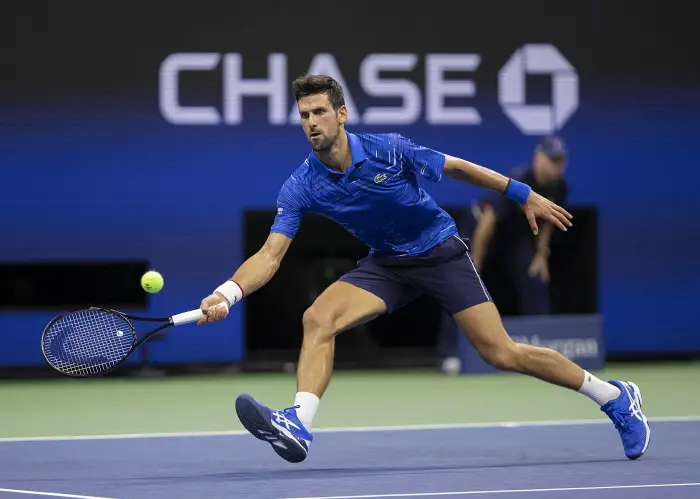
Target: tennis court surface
(572, 460)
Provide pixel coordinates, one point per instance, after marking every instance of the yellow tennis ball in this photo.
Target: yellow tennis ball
(152, 281)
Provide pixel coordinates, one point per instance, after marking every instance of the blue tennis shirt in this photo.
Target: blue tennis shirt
(377, 199)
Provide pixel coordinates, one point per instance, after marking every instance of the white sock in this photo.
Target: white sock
(600, 391)
(308, 405)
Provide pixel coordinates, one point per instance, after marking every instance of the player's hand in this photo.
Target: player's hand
(538, 206)
(214, 308)
(539, 267)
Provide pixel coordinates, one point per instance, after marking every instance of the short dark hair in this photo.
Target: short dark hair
(308, 84)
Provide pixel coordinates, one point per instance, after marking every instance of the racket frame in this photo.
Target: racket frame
(135, 343)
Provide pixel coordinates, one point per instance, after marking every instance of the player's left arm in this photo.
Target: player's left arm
(534, 205)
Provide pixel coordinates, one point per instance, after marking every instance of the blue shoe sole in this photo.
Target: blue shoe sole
(256, 420)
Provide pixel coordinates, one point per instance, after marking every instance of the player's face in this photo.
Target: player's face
(549, 169)
(320, 121)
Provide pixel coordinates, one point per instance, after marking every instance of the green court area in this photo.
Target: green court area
(197, 403)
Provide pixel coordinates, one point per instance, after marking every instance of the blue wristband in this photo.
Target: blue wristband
(517, 191)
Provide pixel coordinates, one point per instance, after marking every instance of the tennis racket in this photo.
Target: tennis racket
(94, 341)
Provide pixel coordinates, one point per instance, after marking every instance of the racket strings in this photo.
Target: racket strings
(87, 342)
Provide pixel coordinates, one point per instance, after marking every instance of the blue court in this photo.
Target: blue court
(552, 460)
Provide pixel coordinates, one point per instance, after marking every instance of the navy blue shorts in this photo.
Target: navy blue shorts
(446, 273)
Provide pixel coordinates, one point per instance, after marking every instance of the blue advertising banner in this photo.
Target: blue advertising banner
(144, 130)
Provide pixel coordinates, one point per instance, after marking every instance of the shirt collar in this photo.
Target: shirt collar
(356, 151)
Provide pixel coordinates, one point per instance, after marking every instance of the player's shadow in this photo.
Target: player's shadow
(411, 470)
(292, 474)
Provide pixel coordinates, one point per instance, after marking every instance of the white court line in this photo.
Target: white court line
(50, 494)
(508, 491)
(454, 426)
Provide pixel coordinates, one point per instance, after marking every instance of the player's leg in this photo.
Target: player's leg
(484, 329)
(621, 401)
(456, 285)
(358, 297)
(340, 307)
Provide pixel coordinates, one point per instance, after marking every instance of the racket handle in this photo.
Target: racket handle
(187, 317)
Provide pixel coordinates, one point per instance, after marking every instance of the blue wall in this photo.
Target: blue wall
(94, 174)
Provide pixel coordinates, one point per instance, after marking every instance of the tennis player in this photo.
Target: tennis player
(368, 183)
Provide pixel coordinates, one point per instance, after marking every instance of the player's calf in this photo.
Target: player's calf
(317, 349)
(543, 363)
(338, 308)
(502, 356)
(483, 326)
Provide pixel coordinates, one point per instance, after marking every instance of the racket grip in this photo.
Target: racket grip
(187, 317)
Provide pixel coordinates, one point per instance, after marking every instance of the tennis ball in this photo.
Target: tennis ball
(152, 281)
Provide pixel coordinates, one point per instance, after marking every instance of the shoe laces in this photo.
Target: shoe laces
(288, 409)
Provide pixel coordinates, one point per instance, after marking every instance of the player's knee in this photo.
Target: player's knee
(503, 356)
(318, 325)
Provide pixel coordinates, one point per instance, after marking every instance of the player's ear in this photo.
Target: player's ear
(342, 114)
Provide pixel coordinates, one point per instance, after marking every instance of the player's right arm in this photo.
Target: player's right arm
(253, 274)
(258, 269)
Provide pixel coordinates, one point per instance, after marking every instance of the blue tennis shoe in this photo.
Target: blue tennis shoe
(626, 413)
(281, 429)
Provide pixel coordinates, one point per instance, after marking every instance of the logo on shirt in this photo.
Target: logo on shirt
(381, 177)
